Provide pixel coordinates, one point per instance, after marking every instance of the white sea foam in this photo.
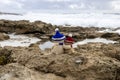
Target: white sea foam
(118, 31)
(19, 40)
(110, 31)
(81, 19)
(102, 40)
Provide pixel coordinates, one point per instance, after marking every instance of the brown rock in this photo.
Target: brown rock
(3, 36)
(89, 62)
(24, 26)
(112, 36)
(5, 56)
(15, 71)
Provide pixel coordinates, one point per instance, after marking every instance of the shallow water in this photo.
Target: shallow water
(19, 40)
(25, 41)
(102, 40)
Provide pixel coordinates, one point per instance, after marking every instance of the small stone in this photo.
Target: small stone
(79, 61)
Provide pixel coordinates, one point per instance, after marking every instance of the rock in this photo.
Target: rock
(93, 35)
(89, 62)
(90, 69)
(45, 30)
(3, 36)
(24, 26)
(93, 61)
(15, 71)
(112, 51)
(112, 36)
(5, 56)
(80, 60)
(23, 54)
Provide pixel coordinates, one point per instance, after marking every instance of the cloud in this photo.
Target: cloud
(65, 5)
(10, 4)
(58, 0)
(115, 4)
(56, 6)
(5, 1)
(76, 6)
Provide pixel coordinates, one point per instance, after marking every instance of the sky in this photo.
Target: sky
(62, 5)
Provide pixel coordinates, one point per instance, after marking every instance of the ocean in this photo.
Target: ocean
(84, 19)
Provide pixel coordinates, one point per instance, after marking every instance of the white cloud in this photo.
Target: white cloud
(12, 4)
(56, 6)
(115, 4)
(59, 4)
(76, 6)
(58, 0)
(5, 1)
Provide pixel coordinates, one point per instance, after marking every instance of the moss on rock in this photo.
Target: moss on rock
(5, 56)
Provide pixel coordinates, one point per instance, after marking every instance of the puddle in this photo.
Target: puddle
(19, 40)
(102, 40)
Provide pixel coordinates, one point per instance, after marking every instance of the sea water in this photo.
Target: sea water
(84, 19)
(19, 40)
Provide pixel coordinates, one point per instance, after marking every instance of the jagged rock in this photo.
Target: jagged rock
(112, 36)
(110, 50)
(93, 35)
(24, 26)
(15, 71)
(39, 28)
(3, 36)
(93, 61)
(65, 65)
(5, 56)
(108, 35)
(88, 62)
(24, 53)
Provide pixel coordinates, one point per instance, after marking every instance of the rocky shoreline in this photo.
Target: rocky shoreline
(44, 30)
(92, 61)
